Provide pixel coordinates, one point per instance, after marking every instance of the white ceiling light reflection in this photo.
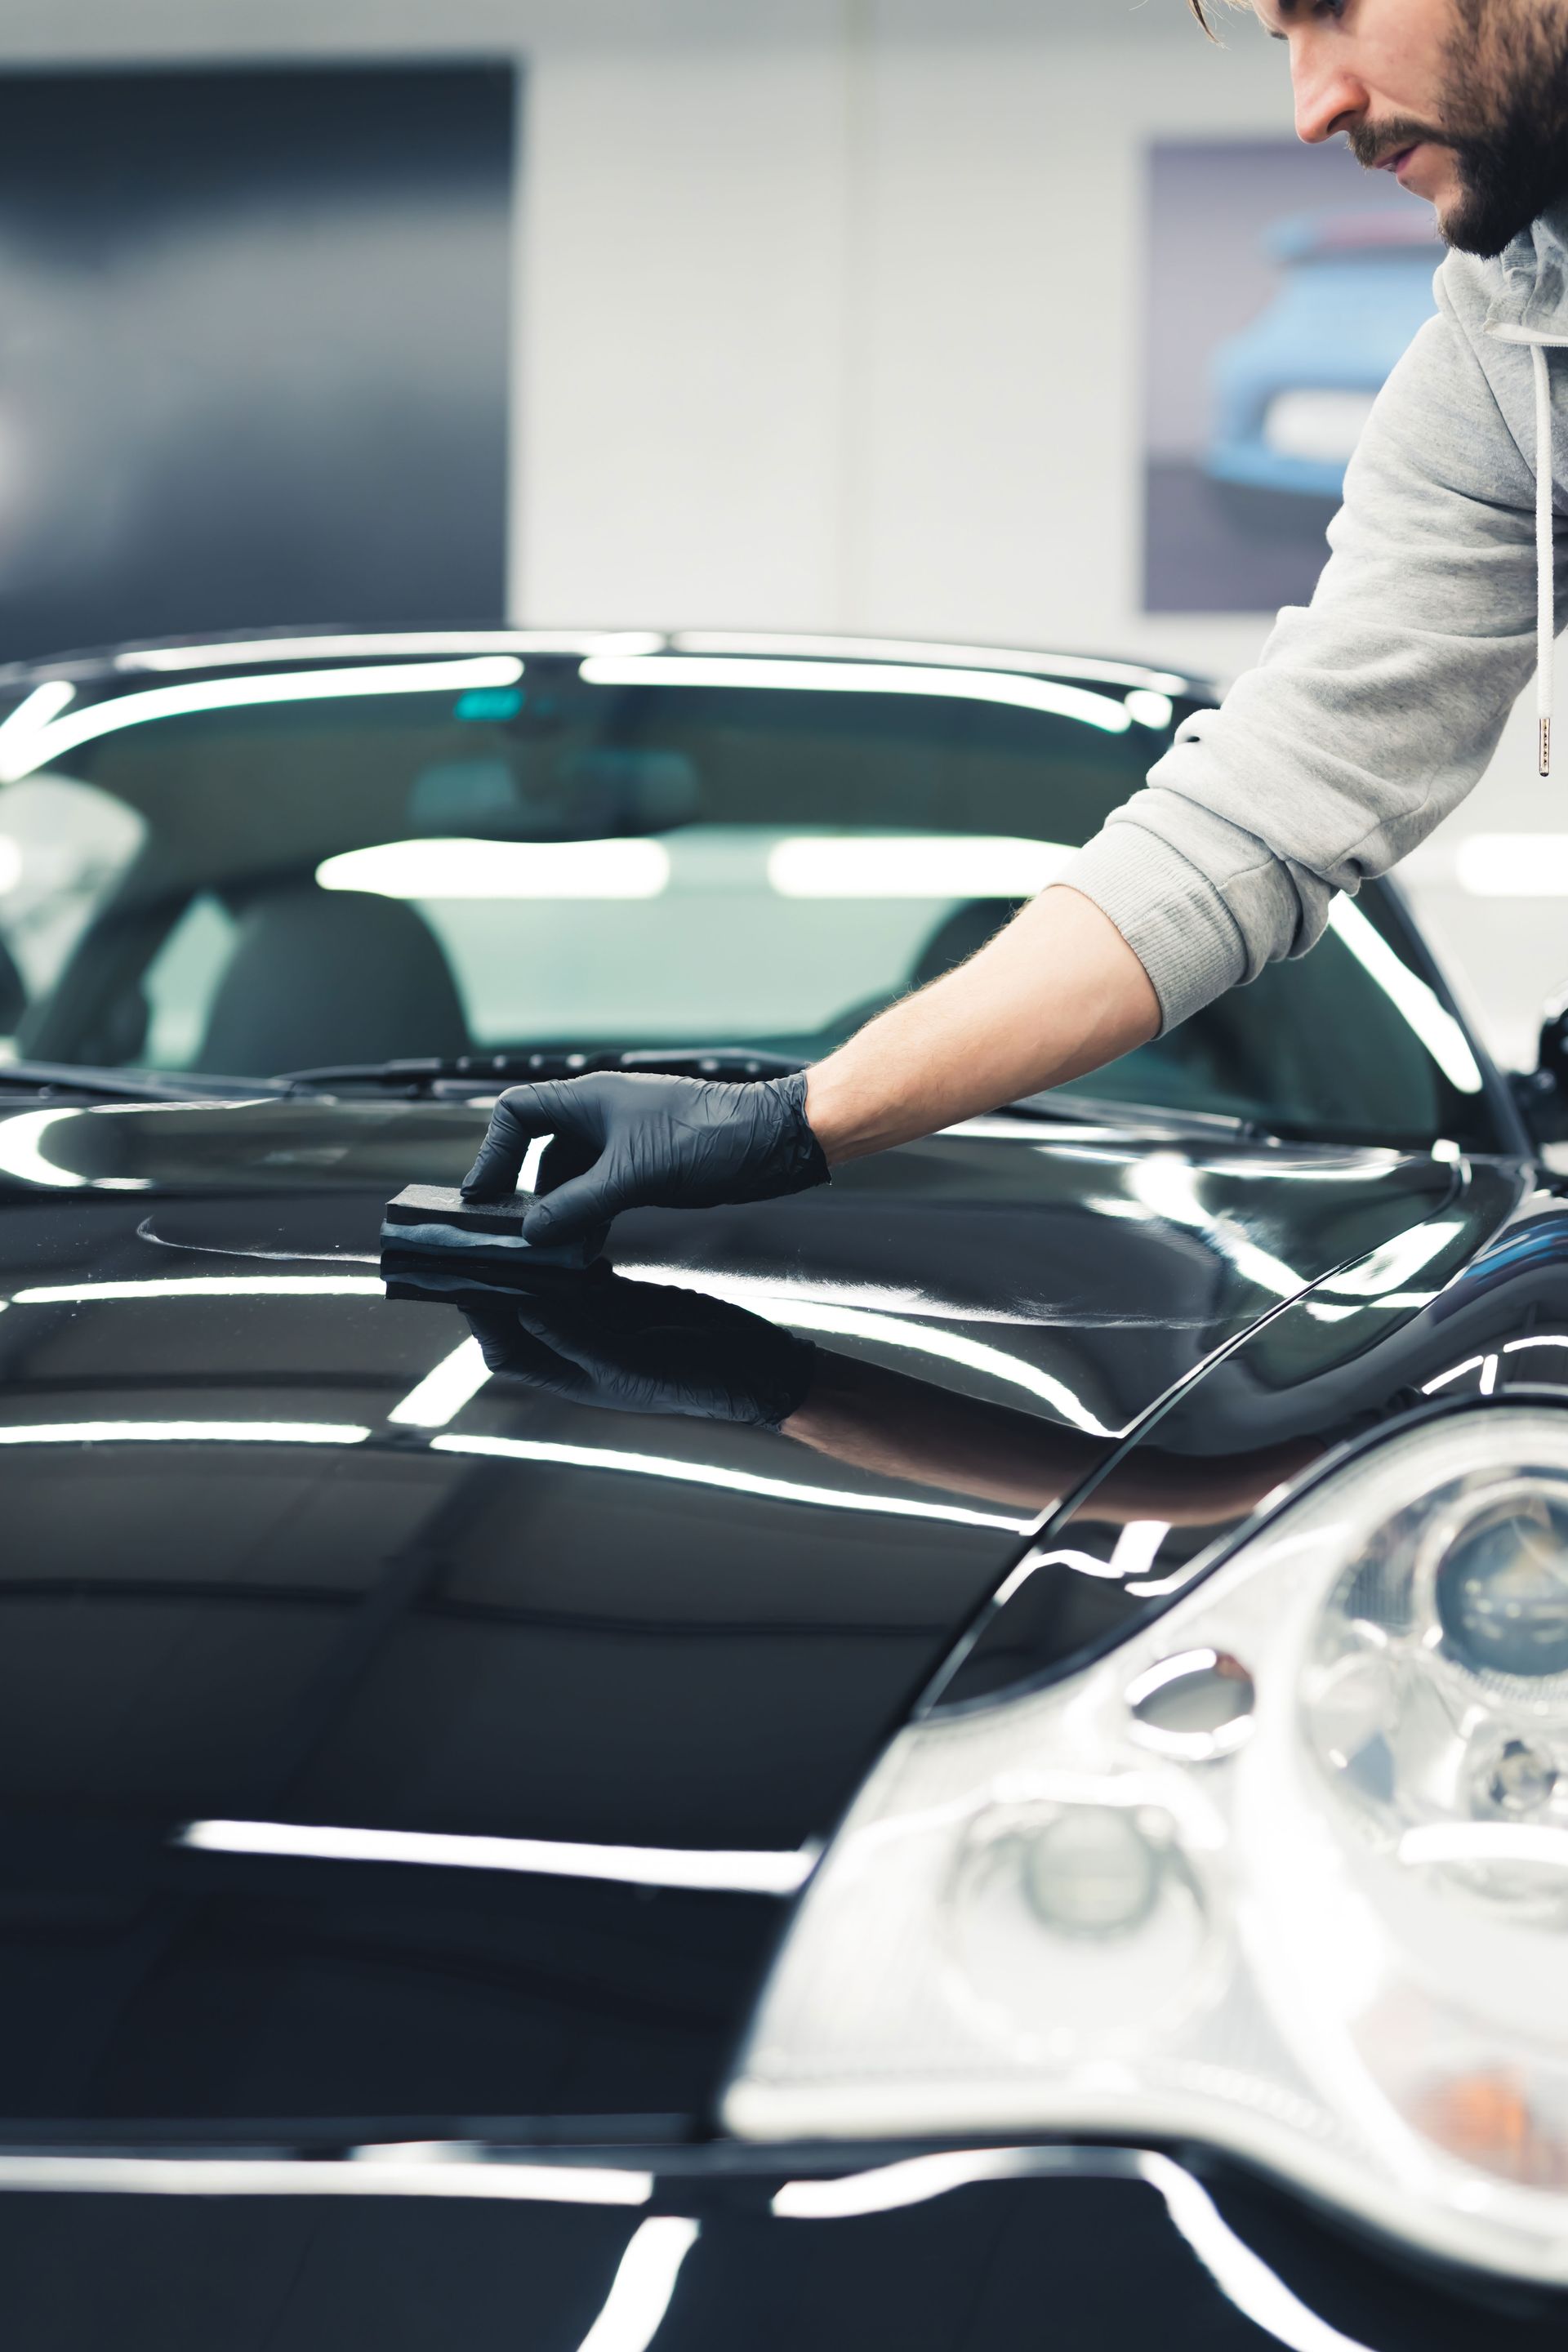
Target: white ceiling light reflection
(43, 738)
(1168, 1184)
(1388, 1268)
(1019, 693)
(1149, 709)
(644, 2283)
(33, 713)
(709, 1473)
(629, 868)
(690, 1867)
(899, 649)
(1242, 2277)
(913, 866)
(202, 1285)
(402, 643)
(441, 1395)
(892, 1330)
(1455, 1372)
(1432, 1022)
(183, 1433)
(422, 2170)
(22, 1154)
(456, 2168)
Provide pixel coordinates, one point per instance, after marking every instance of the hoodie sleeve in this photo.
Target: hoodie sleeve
(1372, 711)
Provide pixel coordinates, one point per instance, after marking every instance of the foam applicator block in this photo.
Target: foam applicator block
(436, 1220)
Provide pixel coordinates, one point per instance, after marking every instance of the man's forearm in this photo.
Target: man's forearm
(1056, 993)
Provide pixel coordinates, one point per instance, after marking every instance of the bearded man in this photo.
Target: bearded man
(1369, 715)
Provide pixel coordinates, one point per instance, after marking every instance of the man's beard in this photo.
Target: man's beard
(1506, 104)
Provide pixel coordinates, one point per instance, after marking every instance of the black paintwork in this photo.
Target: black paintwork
(391, 1634)
(1006, 2267)
(631, 1630)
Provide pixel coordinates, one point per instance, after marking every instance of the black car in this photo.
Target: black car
(972, 1760)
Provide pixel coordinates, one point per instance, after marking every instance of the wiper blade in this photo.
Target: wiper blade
(1105, 1110)
(482, 1073)
(125, 1086)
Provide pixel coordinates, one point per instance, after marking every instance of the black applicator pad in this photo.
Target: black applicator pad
(435, 1219)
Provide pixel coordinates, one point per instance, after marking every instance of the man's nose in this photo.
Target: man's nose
(1328, 98)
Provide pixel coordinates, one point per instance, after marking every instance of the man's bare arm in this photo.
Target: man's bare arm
(1056, 993)
(898, 1427)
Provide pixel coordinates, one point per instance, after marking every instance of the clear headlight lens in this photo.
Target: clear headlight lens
(1288, 1873)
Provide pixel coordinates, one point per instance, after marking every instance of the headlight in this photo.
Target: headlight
(1287, 1874)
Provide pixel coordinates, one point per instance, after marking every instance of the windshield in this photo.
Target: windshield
(257, 874)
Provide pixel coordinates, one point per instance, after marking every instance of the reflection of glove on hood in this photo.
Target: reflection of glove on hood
(633, 1141)
(642, 1347)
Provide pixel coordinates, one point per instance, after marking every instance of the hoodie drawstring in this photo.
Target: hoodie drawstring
(1545, 585)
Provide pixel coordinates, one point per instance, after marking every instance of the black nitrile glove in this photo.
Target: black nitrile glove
(643, 1142)
(642, 1347)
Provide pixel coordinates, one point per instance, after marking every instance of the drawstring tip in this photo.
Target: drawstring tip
(1546, 747)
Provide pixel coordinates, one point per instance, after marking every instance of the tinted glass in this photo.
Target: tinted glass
(340, 867)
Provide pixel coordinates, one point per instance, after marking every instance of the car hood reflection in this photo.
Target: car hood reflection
(649, 1571)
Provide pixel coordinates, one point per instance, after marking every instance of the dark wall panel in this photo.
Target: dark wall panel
(254, 340)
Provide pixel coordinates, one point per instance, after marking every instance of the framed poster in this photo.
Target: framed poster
(1284, 283)
(254, 348)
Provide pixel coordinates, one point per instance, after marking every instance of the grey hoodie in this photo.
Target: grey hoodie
(1374, 709)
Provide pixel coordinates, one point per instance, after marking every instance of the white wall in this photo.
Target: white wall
(829, 317)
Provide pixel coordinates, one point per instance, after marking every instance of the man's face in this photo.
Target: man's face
(1466, 101)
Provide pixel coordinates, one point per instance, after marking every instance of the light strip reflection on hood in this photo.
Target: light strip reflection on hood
(35, 710)
(183, 1433)
(709, 1474)
(21, 1154)
(640, 2294)
(863, 1323)
(1168, 1184)
(202, 1285)
(51, 740)
(692, 1867)
(444, 1390)
(1242, 2277)
(438, 2168)
(1016, 692)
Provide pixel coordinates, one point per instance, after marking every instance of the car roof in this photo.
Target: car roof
(133, 663)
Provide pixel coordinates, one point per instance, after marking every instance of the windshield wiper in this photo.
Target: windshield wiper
(482, 1073)
(126, 1086)
(1105, 1110)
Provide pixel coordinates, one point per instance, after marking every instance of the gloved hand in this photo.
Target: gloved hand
(634, 1141)
(643, 1346)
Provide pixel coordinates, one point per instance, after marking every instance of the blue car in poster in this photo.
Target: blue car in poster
(1292, 390)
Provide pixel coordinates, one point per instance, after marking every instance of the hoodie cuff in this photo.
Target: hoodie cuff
(1170, 914)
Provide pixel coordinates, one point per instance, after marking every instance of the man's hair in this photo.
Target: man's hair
(1204, 11)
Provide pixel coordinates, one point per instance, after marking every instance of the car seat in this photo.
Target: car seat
(319, 977)
(963, 934)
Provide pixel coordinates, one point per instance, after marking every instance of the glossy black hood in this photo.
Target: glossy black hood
(274, 1556)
